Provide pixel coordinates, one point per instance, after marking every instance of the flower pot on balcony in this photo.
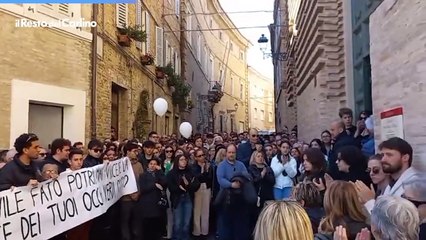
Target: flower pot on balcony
(146, 60)
(160, 74)
(124, 40)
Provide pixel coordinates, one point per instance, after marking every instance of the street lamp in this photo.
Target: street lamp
(263, 44)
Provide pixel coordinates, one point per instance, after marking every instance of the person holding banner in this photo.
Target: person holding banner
(22, 170)
(152, 203)
(130, 219)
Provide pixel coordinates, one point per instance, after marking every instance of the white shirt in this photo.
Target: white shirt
(290, 168)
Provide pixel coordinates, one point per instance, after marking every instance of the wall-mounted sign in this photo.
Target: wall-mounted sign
(392, 124)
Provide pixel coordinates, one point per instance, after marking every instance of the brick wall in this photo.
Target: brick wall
(398, 59)
(43, 56)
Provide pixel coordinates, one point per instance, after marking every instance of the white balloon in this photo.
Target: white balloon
(160, 106)
(185, 129)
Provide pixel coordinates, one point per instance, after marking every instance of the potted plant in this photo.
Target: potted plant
(125, 34)
(159, 72)
(147, 59)
(190, 104)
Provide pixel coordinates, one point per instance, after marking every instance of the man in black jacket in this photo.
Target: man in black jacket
(341, 138)
(60, 149)
(22, 170)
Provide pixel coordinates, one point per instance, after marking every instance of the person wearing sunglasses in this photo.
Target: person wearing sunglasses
(42, 155)
(245, 150)
(378, 177)
(22, 170)
(95, 149)
(415, 192)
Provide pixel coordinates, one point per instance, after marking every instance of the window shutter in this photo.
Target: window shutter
(177, 69)
(64, 9)
(168, 50)
(148, 32)
(139, 20)
(177, 7)
(189, 27)
(212, 68)
(121, 15)
(159, 46)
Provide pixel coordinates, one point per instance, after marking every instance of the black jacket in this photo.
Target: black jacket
(264, 186)
(246, 194)
(16, 174)
(175, 179)
(150, 195)
(62, 166)
(90, 161)
(343, 139)
(206, 177)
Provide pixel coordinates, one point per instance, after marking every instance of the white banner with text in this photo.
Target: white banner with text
(64, 203)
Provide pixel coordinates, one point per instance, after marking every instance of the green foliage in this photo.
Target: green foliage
(141, 117)
(135, 32)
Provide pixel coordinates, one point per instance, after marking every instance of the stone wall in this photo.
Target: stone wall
(44, 56)
(320, 70)
(398, 59)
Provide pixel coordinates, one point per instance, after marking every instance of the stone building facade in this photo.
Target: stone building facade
(45, 74)
(215, 57)
(127, 88)
(261, 101)
(398, 76)
(313, 78)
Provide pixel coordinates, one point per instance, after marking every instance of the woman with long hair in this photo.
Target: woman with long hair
(342, 207)
(285, 169)
(326, 140)
(166, 166)
(378, 177)
(182, 185)
(263, 180)
(283, 220)
(352, 163)
(314, 165)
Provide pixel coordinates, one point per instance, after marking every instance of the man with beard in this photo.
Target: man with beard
(396, 161)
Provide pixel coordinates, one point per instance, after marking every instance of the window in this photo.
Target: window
(205, 59)
(139, 20)
(232, 87)
(231, 46)
(220, 73)
(122, 15)
(220, 36)
(211, 23)
(177, 7)
(168, 53)
(199, 47)
(255, 113)
(189, 27)
(146, 46)
(211, 68)
(270, 117)
(241, 91)
(56, 10)
(262, 115)
(159, 48)
(176, 62)
(241, 55)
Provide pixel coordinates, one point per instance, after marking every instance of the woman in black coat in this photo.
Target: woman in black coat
(152, 203)
(264, 181)
(182, 186)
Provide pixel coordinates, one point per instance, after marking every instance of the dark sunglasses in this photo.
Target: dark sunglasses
(373, 170)
(97, 150)
(254, 135)
(414, 202)
(42, 154)
(169, 151)
(202, 155)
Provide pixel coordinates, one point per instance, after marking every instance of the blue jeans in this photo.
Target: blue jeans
(280, 194)
(182, 215)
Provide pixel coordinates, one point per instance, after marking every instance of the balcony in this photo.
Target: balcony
(216, 94)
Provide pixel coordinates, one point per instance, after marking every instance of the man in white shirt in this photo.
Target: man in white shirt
(396, 161)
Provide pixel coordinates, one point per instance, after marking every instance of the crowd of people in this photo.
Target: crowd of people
(244, 186)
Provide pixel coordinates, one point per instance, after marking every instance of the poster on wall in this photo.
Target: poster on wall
(392, 123)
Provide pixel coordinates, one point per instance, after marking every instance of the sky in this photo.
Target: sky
(254, 56)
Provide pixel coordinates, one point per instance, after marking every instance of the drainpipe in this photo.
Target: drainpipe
(94, 72)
